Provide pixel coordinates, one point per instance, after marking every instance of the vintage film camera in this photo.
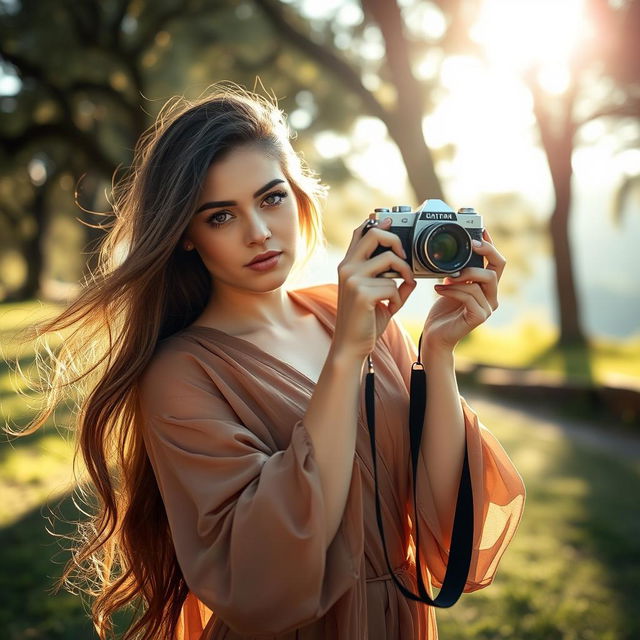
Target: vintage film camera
(436, 239)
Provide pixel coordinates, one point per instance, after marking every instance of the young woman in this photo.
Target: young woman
(223, 425)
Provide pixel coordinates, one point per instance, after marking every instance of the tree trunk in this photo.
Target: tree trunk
(571, 332)
(416, 155)
(404, 121)
(32, 249)
(557, 141)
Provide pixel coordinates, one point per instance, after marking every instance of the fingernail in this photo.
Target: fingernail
(386, 221)
(476, 243)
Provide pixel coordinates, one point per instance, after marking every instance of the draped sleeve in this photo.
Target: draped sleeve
(498, 489)
(246, 521)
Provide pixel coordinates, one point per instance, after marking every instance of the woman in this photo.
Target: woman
(223, 425)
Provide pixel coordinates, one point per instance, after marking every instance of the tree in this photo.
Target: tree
(403, 112)
(99, 73)
(614, 57)
(617, 58)
(81, 104)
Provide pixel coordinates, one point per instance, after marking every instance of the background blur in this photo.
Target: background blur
(526, 110)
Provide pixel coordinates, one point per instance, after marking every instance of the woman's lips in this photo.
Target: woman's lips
(265, 265)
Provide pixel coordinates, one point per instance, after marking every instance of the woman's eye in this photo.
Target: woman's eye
(216, 220)
(275, 198)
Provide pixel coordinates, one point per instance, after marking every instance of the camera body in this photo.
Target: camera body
(436, 239)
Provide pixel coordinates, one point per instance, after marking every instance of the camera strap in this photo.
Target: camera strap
(462, 534)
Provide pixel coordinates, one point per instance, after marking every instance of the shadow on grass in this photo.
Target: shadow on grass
(587, 502)
(574, 361)
(32, 560)
(609, 528)
(571, 572)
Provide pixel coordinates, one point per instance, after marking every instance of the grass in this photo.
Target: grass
(530, 344)
(569, 574)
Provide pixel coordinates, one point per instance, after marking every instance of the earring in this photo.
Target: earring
(188, 246)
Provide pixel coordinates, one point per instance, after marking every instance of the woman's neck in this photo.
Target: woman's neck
(249, 312)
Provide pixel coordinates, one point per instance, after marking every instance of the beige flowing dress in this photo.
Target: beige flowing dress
(223, 426)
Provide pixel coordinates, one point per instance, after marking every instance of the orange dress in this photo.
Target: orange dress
(222, 423)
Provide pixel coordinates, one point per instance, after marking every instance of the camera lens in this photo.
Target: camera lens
(444, 247)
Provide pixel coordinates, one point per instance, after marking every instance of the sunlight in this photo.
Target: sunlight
(540, 34)
(483, 124)
(488, 118)
(375, 159)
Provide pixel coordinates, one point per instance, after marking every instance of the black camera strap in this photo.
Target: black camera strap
(462, 534)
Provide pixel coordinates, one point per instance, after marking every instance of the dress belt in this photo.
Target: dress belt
(405, 567)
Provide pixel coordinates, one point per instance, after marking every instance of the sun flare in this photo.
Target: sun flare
(543, 34)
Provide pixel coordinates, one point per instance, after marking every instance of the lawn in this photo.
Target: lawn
(530, 344)
(570, 573)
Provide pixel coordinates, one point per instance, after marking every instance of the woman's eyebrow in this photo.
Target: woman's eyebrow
(231, 203)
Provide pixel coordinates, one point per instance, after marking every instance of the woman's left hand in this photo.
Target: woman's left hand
(466, 302)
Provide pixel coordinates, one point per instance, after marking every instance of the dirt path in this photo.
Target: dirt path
(587, 433)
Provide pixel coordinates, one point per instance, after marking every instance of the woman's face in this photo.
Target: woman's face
(246, 208)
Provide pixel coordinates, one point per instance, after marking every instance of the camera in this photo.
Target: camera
(436, 239)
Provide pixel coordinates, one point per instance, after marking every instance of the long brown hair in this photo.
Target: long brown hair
(146, 288)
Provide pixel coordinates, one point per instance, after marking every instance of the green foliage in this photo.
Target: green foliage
(92, 77)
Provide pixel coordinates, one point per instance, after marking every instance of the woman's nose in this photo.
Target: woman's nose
(258, 230)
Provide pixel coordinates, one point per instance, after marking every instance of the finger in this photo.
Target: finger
(472, 289)
(386, 261)
(378, 236)
(357, 238)
(486, 278)
(495, 261)
(357, 235)
(400, 297)
(378, 289)
(394, 303)
(404, 291)
(473, 314)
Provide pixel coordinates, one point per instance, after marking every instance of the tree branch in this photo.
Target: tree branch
(65, 132)
(389, 20)
(337, 66)
(630, 108)
(161, 22)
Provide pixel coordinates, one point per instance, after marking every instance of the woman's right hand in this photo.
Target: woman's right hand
(361, 315)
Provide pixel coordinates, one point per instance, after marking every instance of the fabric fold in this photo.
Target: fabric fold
(247, 522)
(223, 423)
(497, 488)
